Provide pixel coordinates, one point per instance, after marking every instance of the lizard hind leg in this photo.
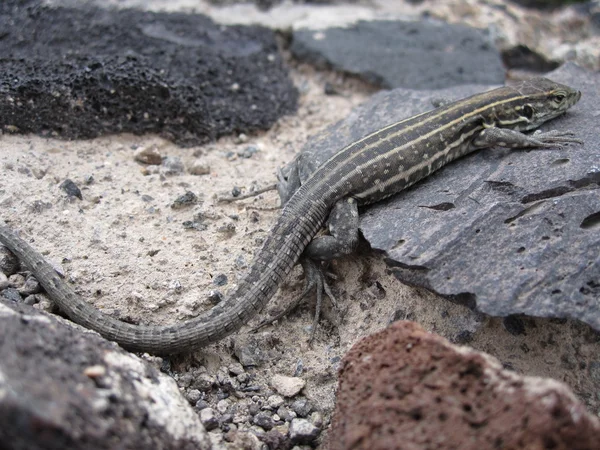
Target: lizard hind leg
(342, 240)
(314, 279)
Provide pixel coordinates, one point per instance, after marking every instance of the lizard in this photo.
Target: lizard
(368, 170)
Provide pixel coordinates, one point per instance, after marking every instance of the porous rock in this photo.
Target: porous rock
(404, 388)
(91, 71)
(390, 53)
(505, 232)
(65, 387)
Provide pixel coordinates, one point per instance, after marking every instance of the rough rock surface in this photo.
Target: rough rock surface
(92, 71)
(507, 232)
(390, 53)
(404, 388)
(61, 387)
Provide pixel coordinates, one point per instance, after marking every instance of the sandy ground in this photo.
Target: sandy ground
(127, 252)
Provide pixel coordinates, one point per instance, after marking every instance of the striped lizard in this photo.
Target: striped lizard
(372, 168)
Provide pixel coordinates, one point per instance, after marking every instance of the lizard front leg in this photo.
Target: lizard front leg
(505, 137)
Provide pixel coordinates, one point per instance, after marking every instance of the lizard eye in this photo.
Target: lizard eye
(559, 98)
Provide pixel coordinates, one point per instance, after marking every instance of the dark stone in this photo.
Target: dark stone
(215, 297)
(71, 189)
(31, 286)
(263, 420)
(522, 237)
(392, 53)
(302, 407)
(220, 280)
(90, 71)
(67, 388)
(514, 325)
(275, 440)
(185, 200)
(542, 4)
(12, 294)
(303, 431)
(405, 388)
(464, 337)
(522, 57)
(9, 263)
(251, 351)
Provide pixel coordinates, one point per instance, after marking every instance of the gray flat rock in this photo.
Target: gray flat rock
(505, 232)
(424, 54)
(64, 387)
(90, 71)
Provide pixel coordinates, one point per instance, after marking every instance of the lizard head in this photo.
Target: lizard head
(540, 100)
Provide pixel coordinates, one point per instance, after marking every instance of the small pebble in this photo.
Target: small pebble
(250, 352)
(248, 152)
(223, 406)
(276, 438)
(286, 414)
(148, 156)
(287, 386)
(71, 189)
(227, 229)
(514, 325)
(172, 165)
(240, 262)
(44, 304)
(193, 396)
(9, 263)
(16, 280)
(185, 200)
(201, 404)
(204, 381)
(302, 431)
(209, 419)
(263, 420)
(199, 168)
(31, 286)
(215, 297)
(274, 401)
(220, 280)
(12, 294)
(3, 281)
(317, 419)
(302, 407)
(31, 300)
(236, 368)
(241, 138)
(96, 371)
(227, 418)
(253, 409)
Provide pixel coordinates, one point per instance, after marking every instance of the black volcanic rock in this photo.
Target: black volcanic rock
(85, 72)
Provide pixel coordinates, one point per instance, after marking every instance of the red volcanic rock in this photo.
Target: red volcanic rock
(404, 388)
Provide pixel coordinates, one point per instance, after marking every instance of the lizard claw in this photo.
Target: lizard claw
(556, 138)
(314, 278)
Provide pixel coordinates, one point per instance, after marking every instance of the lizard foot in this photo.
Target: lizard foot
(314, 278)
(556, 138)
